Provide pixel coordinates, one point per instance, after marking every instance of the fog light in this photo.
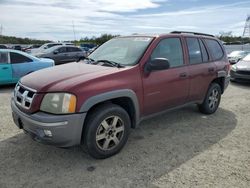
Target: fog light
(47, 133)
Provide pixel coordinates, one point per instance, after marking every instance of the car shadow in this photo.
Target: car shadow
(155, 148)
(7, 88)
(241, 84)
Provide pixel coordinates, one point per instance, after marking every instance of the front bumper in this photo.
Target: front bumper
(238, 76)
(66, 129)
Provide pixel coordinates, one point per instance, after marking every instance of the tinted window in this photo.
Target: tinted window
(194, 51)
(73, 49)
(3, 57)
(18, 58)
(204, 52)
(214, 48)
(62, 50)
(170, 49)
(51, 45)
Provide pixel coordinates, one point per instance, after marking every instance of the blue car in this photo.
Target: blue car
(16, 64)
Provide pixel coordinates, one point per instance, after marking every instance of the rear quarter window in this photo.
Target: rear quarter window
(214, 48)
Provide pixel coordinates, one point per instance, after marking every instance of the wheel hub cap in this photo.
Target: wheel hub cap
(109, 133)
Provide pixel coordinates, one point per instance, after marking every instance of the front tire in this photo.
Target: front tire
(212, 100)
(106, 131)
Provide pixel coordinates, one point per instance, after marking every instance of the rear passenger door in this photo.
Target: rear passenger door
(21, 65)
(166, 88)
(202, 69)
(74, 53)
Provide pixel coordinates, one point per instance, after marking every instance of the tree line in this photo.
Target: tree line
(103, 38)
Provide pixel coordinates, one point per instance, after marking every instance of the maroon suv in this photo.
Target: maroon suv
(95, 102)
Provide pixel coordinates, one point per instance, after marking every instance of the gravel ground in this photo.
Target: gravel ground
(182, 148)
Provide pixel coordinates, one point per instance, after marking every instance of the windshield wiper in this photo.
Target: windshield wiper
(86, 58)
(112, 63)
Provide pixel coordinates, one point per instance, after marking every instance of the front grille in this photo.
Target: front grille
(24, 96)
(243, 72)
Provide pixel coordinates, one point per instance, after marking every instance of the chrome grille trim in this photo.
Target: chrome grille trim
(24, 96)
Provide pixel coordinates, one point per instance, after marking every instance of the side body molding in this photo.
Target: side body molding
(113, 95)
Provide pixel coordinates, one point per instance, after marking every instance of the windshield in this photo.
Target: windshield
(125, 50)
(247, 58)
(237, 53)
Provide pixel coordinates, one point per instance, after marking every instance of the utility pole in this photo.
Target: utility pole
(73, 26)
(246, 32)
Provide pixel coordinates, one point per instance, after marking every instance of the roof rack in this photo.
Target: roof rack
(194, 33)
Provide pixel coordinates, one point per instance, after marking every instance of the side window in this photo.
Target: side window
(18, 58)
(214, 48)
(73, 49)
(170, 49)
(203, 51)
(77, 50)
(62, 50)
(194, 51)
(3, 57)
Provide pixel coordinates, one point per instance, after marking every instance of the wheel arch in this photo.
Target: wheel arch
(125, 98)
(220, 79)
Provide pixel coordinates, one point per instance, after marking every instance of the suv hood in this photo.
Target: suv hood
(63, 77)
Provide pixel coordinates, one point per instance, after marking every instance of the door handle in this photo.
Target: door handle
(211, 69)
(183, 75)
(4, 68)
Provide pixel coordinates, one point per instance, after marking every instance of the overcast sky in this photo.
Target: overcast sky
(52, 19)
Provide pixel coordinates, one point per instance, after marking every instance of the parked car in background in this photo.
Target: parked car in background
(3, 46)
(236, 56)
(15, 64)
(241, 70)
(127, 80)
(30, 47)
(62, 54)
(87, 45)
(47, 46)
(17, 47)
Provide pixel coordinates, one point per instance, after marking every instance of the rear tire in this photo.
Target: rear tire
(212, 100)
(106, 131)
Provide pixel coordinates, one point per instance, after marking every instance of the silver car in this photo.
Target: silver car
(62, 54)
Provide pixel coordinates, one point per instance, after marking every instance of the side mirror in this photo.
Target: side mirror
(157, 64)
(56, 52)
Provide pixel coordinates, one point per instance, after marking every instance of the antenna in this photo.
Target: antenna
(246, 32)
(73, 26)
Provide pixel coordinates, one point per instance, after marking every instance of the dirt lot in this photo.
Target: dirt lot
(182, 148)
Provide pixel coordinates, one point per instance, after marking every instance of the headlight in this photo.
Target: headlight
(58, 103)
(234, 68)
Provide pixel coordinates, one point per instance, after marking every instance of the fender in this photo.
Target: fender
(113, 95)
(221, 74)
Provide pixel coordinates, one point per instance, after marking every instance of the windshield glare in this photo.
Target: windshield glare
(247, 58)
(125, 51)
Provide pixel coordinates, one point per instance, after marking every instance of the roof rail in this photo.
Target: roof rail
(194, 33)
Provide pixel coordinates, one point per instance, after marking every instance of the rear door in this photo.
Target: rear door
(5, 68)
(202, 69)
(166, 88)
(74, 53)
(21, 65)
